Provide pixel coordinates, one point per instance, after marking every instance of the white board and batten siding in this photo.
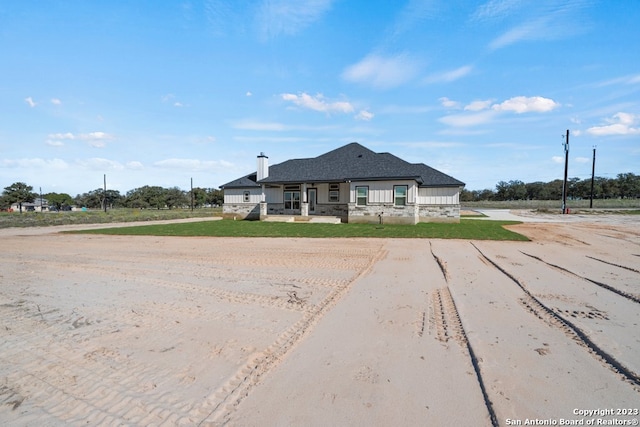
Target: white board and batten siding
(234, 196)
(439, 196)
(382, 191)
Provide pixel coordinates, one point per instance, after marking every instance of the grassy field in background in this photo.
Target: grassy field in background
(581, 206)
(466, 229)
(42, 219)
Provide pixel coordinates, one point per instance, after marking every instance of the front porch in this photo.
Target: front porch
(276, 212)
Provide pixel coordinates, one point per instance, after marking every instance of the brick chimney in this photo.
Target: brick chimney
(263, 167)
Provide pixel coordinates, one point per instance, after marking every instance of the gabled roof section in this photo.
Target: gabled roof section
(352, 162)
(246, 181)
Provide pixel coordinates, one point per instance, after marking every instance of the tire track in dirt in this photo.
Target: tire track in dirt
(617, 291)
(550, 317)
(218, 406)
(80, 374)
(449, 325)
(614, 264)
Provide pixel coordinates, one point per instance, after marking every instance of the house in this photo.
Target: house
(38, 205)
(352, 183)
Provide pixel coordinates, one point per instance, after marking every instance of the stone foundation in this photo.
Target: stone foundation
(382, 214)
(439, 213)
(370, 214)
(249, 211)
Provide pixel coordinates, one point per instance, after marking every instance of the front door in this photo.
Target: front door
(311, 197)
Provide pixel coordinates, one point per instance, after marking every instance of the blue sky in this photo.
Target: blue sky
(159, 92)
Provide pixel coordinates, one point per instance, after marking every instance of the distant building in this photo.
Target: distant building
(38, 205)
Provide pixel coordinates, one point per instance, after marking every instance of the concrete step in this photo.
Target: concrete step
(325, 219)
(303, 219)
(279, 218)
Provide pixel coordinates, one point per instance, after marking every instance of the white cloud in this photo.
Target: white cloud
(318, 103)
(67, 135)
(582, 160)
(56, 101)
(526, 31)
(277, 17)
(382, 72)
(627, 80)
(619, 124)
(95, 139)
(478, 105)
(446, 102)
(523, 104)
(449, 76)
(364, 115)
(464, 120)
(495, 9)
(539, 20)
(481, 112)
(100, 164)
(248, 93)
(135, 165)
(30, 102)
(557, 159)
(34, 163)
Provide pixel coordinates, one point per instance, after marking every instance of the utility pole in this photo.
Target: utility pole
(104, 193)
(566, 169)
(593, 173)
(192, 194)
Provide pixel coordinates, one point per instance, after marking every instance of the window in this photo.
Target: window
(400, 195)
(245, 196)
(362, 194)
(292, 200)
(334, 192)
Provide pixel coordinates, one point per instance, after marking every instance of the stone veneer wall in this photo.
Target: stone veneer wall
(439, 213)
(241, 210)
(410, 214)
(371, 214)
(332, 209)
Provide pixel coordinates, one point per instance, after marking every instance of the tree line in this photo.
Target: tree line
(147, 197)
(624, 186)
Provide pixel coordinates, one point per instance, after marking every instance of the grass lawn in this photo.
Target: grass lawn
(466, 229)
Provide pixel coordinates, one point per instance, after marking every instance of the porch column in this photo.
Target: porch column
(304, 205)
(263, 210)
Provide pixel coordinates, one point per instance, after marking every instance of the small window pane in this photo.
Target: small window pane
(361, 195)
(400, 195)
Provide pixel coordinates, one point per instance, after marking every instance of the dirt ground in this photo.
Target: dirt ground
(115, 330)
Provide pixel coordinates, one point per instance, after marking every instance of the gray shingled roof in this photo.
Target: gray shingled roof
(352, 162)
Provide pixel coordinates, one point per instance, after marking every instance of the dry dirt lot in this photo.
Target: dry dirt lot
(103, 330)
